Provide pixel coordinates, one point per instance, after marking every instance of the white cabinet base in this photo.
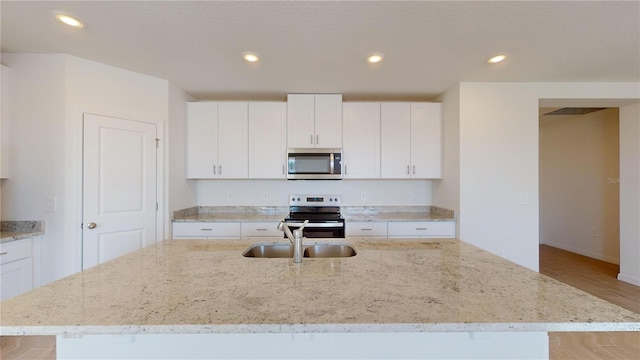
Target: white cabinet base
(425, 345)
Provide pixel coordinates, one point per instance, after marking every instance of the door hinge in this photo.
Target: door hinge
(157, 143)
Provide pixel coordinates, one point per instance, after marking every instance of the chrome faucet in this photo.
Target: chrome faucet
(295, 238)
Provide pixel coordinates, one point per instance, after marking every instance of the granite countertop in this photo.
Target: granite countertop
(275, 214)
(397, 285)
(17, 230)
(231, 213)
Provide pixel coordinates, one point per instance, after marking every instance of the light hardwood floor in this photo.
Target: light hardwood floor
(590, 275)
(598, 278)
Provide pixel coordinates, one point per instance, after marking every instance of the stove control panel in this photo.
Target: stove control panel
(314, 200)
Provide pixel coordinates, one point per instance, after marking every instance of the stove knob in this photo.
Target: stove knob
(298, 199)
(330, 199)
(293, 199)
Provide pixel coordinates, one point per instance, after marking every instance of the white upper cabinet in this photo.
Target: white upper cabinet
(361, 140)
(426, 140)
(411, 140)
(395, 127)
(217, 140)
(314, 120)
(267, 140)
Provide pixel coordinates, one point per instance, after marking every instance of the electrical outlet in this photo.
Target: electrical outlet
(50, 204)
(409, 195)
(229, 197)
(363, 196)
(265, 196)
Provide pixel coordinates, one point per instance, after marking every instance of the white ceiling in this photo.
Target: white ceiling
(321, 46)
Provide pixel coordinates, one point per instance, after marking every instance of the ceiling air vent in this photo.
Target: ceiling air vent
(574, 111)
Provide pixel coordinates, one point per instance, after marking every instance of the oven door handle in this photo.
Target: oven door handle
(332, 224)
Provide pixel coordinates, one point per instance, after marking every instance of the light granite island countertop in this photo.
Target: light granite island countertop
(390, 286)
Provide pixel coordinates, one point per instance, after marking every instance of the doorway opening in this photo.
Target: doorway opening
(579, 162)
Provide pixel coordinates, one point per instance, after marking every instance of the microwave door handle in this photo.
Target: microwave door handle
(331, 164)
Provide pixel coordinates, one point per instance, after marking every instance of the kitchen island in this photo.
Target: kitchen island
(438, 290)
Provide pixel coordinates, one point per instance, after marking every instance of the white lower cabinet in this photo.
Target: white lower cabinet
(261, 229)
(366, 229)
(16, 268)
(413, 229)
(206, 230)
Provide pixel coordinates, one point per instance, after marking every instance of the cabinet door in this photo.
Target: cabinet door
(300, 120)
(426, 140)
(361, 140)
(16, 268)
(366, 229)
(328, 121)
(261, 229)
(232, 140)
(191, 230)
(202, 141)
(395, 128)
(441, 229)
(267, 140)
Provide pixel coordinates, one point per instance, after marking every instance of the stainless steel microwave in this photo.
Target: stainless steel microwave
(314, 164)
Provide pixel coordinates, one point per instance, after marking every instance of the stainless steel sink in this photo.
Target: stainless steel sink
(329, 251)
(285, 250)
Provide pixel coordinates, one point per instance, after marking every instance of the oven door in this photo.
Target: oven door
(326, 229)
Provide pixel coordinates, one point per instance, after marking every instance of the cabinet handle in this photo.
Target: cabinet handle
(366, 229)
(422, 229)
(345, 170)
(206, 229)
(261, 229)
(214, 170)
(219, 169)
(282, 169)
(414, 169)
(4, 253)
(317, 139)
(408, 170)
(311, 138)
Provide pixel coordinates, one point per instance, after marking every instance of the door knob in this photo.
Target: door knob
(92, 225)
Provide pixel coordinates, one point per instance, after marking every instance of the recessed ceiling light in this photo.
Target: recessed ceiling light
(497, 59)
(69, 20)
(375, 58)
(250, 57)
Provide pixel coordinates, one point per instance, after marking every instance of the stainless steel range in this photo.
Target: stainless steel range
(322, 211)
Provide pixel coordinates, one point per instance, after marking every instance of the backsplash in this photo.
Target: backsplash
(276, 192)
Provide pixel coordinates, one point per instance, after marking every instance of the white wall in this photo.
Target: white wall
(579, 199)
(38, 133)
(446, 192)
(182, 193)
(499, 160)
(49, 95)
(630, 194)
(252, 192)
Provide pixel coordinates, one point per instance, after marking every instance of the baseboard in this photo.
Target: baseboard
(583, 252)
(629, 279)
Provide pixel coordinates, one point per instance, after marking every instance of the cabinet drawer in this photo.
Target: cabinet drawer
(421, 228)
(260, 229)
(15, 250)
(366, 229)
(206, 229)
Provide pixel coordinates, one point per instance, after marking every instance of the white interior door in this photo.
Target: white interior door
(119, 187)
